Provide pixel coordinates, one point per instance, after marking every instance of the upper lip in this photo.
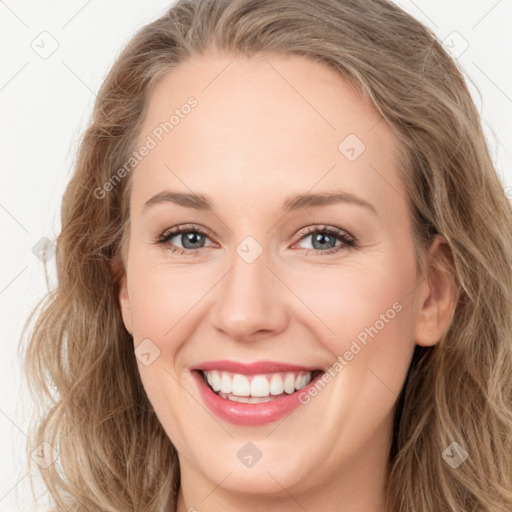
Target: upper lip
(253, 368)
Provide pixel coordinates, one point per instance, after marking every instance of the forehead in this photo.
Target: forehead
(270, 125)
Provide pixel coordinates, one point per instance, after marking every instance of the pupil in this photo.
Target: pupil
(319, 237)
(193, 238)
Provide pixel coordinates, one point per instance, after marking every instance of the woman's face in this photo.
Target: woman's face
(255, 296)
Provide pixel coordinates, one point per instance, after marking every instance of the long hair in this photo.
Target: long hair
(79, 360)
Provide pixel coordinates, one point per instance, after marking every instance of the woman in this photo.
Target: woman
(284, 274)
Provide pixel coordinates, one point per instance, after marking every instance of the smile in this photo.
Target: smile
(255, 388)
(252, 394)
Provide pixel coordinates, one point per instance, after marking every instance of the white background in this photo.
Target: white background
(45, 104)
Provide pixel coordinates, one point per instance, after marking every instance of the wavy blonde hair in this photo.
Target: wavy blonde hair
(79, 359)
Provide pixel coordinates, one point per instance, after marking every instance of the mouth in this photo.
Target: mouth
(258, 388)
(253, 394)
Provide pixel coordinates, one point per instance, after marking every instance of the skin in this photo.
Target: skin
(266, 128)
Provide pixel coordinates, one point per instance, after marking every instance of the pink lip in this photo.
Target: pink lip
(249, 414)
(252, 368)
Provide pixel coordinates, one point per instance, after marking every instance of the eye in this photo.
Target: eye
(190, 237)
(323, 239)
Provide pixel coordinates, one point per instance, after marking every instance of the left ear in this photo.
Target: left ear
(436, 295)
(123, 297)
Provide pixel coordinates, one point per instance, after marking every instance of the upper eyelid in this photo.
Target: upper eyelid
(324, 227)
(302, 233)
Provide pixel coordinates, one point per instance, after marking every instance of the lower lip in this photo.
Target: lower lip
(249, 414)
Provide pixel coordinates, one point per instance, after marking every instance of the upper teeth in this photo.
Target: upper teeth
(257, 385)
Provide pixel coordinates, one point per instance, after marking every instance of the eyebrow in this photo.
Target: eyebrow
(292, 203)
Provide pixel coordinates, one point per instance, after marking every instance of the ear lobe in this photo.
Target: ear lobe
(123, 297)
(437, 295)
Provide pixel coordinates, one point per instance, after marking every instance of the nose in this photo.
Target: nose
(251, 301)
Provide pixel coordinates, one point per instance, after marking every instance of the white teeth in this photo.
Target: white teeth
(214, 380)
(289, 383)
(276, 385)
(301, 381)
(226, 384)
(246, 399)
(241, 385)
(259, 386)
(264, 385)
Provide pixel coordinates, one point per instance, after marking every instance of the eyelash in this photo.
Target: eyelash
(348, 242)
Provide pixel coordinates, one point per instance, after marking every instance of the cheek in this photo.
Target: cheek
(160, 296)
(368, 323)
(369, 308)
(162, 300)
(358, 302)
(339, 301)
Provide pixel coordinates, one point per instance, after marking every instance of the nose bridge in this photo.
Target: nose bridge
(248, 301)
